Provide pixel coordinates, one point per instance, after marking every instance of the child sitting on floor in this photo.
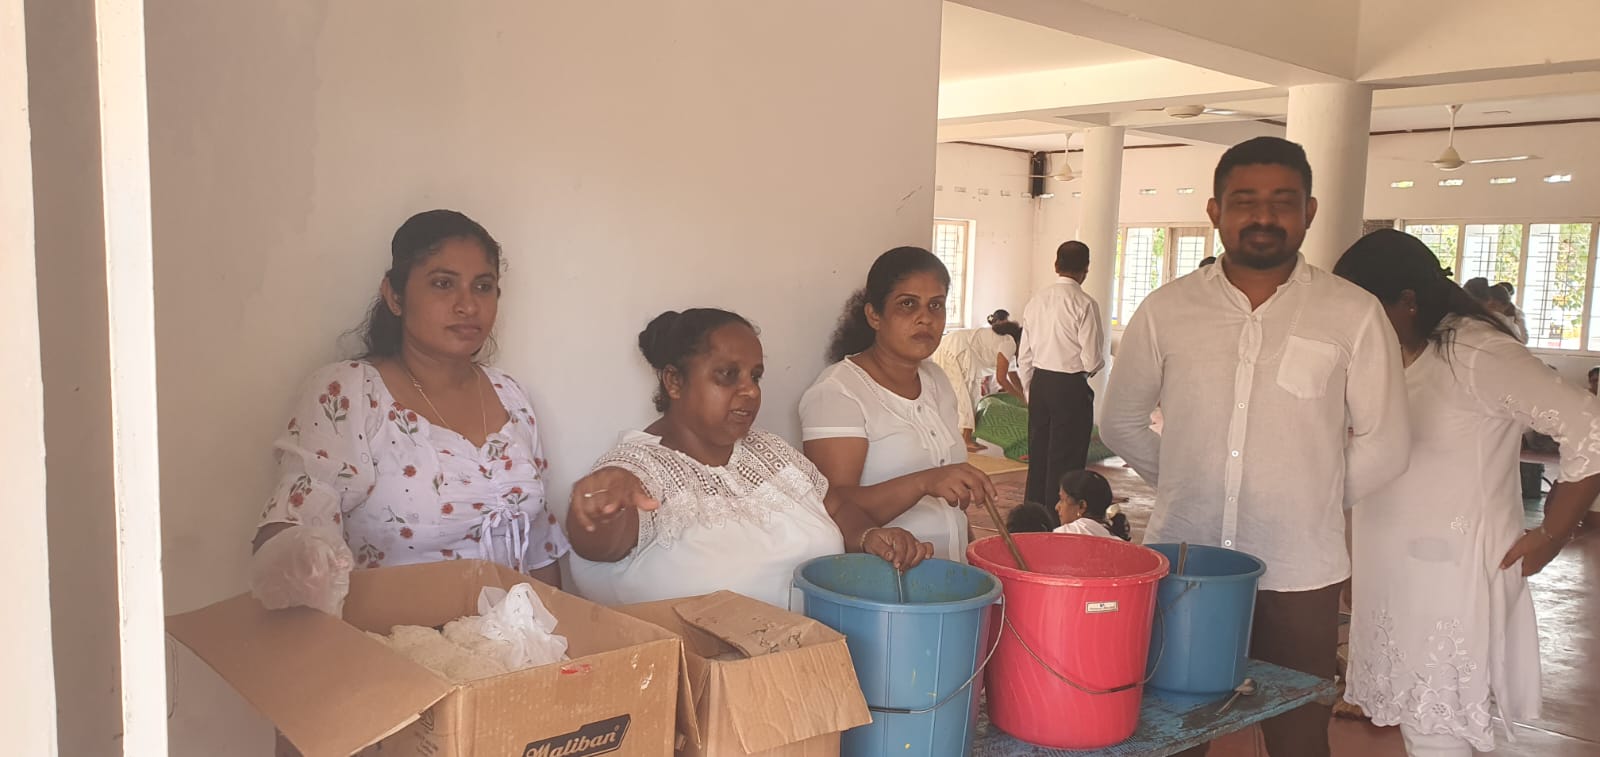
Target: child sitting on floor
(1085, 507)
(1031, 518)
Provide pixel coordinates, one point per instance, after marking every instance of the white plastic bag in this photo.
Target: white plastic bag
(512, 627)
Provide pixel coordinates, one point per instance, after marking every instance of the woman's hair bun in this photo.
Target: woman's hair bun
(655, 340)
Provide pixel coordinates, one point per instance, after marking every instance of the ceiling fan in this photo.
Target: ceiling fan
(1063, 174)
(1450, 159)
(1185, 112)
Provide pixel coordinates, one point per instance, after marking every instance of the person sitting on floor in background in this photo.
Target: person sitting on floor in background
(1085, 507)
(414, 451)
(969, 356)
(1032, 518)
(1499, 302)
(701, 501)
(1519, 319)
(1207, 260)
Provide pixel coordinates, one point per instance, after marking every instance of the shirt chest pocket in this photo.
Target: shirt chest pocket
(1306, 366)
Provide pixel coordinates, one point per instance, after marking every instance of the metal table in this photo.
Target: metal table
(1169, 724)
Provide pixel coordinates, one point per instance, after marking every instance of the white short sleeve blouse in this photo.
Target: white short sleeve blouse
(903, 436)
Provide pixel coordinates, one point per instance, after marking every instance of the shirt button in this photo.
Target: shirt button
(1241, 406)
(1227, 542)
(1236, 453)
(1233, 499)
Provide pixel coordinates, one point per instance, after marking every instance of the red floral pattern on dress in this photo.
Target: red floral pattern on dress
(350, 471)
(334, 407)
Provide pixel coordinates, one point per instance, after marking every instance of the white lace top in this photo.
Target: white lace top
(1441, 638)
(742, 527)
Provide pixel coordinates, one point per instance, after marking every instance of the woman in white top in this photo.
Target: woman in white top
(881, 421)
(414, 452)
(1443, 636)
(700, 501)
(968, 357)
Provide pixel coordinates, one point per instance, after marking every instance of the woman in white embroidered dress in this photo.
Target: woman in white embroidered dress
(881, 422)
(700, 501)
(1443, 635)
(414, 452)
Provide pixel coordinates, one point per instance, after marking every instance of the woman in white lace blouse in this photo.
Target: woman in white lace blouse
(700, 501)
(415, 452)
(1443, 636)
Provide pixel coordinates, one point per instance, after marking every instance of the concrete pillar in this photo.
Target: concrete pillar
(1102, 198)
(28, 708)
(1332, 122)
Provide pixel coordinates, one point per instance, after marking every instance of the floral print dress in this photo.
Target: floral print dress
(401, 490)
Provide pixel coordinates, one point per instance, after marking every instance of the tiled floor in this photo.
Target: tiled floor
(1565, 594)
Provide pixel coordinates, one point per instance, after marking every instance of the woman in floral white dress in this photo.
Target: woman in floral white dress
(1443, 636)
(413, 453)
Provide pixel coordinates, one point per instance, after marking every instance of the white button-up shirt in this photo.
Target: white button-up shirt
(1272, 418)
(1061, 332)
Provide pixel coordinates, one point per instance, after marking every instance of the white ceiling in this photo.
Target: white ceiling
(1486, 113)
(1554, 108)
(975, 44)
(1060, 141)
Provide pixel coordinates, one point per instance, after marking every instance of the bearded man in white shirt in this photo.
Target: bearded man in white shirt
(1063, 346)
(1282, 396)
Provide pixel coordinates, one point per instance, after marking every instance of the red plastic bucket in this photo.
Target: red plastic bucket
(1070, 669)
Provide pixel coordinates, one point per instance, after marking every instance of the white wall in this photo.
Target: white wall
(1563, 149)
(986, 185)
(289, 139)
(1566, 149)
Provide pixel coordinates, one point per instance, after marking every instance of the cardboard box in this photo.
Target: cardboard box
(333, 691)
(758, 680)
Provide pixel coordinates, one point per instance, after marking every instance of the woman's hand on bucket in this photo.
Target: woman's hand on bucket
(896, 546)
(959, 485)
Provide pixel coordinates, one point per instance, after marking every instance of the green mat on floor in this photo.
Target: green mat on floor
(1002, 420)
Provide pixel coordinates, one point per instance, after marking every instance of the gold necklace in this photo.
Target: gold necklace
(483, 411)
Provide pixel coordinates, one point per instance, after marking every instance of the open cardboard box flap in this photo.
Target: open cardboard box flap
(802, 686)
(329, 688)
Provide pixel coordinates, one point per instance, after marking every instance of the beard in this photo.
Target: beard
(1262, 248)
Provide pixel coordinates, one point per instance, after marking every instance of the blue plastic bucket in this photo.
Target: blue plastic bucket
(1203, 621)
(917, 661)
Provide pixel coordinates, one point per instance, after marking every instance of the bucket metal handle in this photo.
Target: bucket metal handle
(1160, 653)
(946, 699)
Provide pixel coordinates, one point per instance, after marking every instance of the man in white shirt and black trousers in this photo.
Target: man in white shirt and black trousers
(1282, 398)
(1063, 346)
